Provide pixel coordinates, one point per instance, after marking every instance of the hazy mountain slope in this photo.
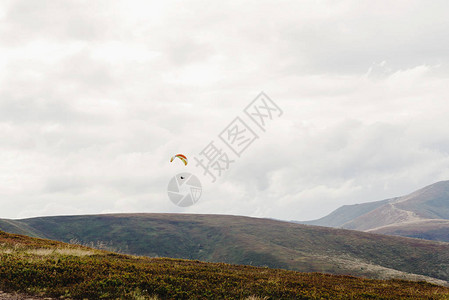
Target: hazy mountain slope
(431, 202)
(385, 215)
(418, 214)
(346, 213)
(53, 269)
(253, 241)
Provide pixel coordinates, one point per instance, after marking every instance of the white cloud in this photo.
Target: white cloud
(95, 98)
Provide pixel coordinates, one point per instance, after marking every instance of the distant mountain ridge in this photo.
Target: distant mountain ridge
(421, 214)
(346, 213)
(248, 241)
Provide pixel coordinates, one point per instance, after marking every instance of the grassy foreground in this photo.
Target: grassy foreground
(54, 269)
(248, 241)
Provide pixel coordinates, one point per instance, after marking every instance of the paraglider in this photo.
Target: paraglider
(182, 157)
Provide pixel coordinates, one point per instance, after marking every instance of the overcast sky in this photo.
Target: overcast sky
(96, 96)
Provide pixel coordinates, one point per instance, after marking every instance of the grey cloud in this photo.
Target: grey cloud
(85, 72)
(72, 185)
(79, 20)
(353, 159)
(351, 41)
(95, 98)
(184, 51)
(30, 109)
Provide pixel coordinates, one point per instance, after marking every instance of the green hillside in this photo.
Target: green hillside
(252, 241)
(54, 269)
(18, 228)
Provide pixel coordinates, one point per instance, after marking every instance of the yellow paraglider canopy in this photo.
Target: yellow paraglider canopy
(182, 157)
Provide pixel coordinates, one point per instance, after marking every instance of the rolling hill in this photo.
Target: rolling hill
(45, 268)
(422, 214)
(249, 241)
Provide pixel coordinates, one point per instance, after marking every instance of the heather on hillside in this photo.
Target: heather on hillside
(55, 269)
(250, 241)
